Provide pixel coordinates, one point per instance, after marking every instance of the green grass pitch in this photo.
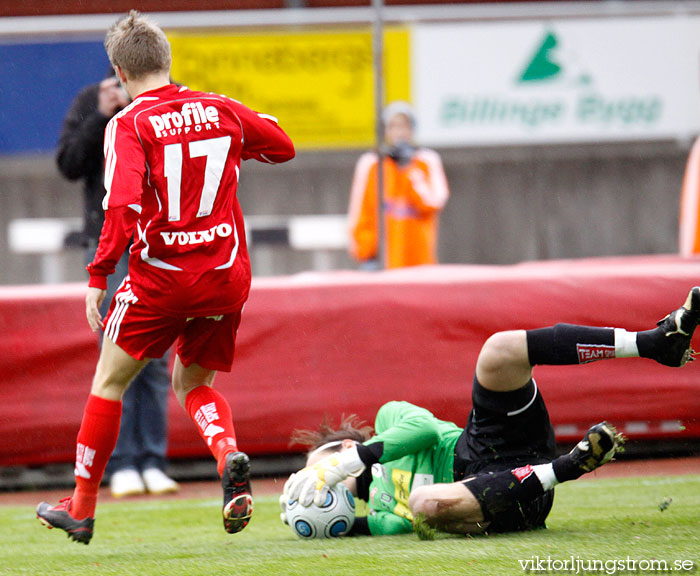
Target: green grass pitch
(609, 520)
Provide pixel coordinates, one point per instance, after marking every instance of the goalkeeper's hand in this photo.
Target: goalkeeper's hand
(311, 484)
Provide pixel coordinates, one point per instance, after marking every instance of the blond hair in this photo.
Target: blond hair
(138, 46)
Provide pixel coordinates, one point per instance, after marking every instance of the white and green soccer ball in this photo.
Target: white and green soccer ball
(334, 518)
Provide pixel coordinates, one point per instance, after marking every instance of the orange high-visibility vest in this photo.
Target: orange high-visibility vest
(413, 198)
(689, 221)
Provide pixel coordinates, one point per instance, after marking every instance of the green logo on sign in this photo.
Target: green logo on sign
(542, 65)
(556, 94)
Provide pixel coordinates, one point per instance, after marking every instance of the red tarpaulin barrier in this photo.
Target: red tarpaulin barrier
(346, 342)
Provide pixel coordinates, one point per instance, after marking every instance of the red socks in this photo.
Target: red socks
(100, 429)
(96, 441)
(212, 414)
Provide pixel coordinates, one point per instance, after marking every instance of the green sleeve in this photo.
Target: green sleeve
(385, 524)
(403, 429)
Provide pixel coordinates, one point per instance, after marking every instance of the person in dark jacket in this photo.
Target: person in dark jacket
(138, 462)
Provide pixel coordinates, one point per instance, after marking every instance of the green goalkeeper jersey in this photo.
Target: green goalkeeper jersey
(418, 449)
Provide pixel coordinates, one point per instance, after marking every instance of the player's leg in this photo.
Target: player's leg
(502, 365)
(497, 426)
(96, 439)
(509, 417)
(448, 507)
(508, 500)
(668, 343)
(99, 430)
(506, 359)
(207, 346)
(508, 429)
(133, 334)
(524, 490)
(123, 465)
(207, 407)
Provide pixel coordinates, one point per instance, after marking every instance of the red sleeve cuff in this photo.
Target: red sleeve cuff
(98, 282)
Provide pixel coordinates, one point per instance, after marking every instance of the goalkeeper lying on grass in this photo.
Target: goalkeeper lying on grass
(499, 473)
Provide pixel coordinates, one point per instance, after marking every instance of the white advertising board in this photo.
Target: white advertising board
(577, 80)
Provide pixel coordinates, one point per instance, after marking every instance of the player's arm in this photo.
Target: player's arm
(263, 139)
(401, 429)
(383, 523)
(380, 523)
(427, 184)
(117, 231)
(125, 165)
(79, 149)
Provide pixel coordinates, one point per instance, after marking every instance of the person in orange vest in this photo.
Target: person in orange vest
(689, 221)
(415, 191)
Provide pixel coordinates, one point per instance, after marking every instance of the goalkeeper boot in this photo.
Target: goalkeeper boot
(597, 447)
(59, 517)
(238, 502)
(669, 344)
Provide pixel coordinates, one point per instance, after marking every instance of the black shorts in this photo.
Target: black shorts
(507, 430)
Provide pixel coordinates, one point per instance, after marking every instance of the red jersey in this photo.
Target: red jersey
(172, 163)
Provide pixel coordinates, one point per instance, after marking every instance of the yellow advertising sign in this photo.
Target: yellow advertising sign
(319, 84)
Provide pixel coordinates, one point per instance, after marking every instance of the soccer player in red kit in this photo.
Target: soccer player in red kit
(172, 162)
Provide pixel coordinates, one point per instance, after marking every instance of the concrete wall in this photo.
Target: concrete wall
(562, 202)
(507, 205)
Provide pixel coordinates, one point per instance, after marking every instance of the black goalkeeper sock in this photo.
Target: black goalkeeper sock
(497, 492)
(569, 344)
(649, 342)
(565, 469)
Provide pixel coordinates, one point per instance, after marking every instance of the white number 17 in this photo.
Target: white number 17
(216, 151)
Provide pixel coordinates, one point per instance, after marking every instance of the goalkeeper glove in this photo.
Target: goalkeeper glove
(311, 484)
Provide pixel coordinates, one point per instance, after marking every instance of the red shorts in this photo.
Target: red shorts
(142, 333)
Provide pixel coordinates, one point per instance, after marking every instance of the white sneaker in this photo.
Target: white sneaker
(126, 483)
(157, 482)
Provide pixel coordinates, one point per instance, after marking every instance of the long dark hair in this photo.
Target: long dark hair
(350, 427)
